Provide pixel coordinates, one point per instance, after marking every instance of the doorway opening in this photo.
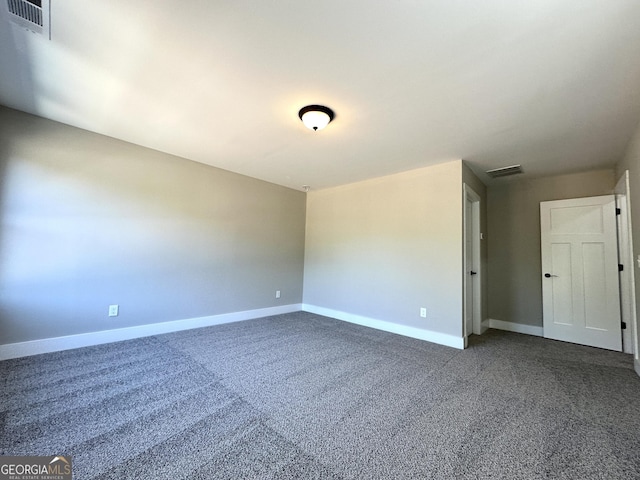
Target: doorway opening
(472, 285)
(627, 275)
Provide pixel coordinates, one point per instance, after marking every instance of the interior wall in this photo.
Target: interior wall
(631, 162)
(515, 273)
(383, 248)
(87, 221)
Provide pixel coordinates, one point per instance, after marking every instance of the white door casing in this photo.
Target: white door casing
(627, 275)
(580, 287)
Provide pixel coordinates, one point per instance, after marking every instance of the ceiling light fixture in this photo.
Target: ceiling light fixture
(315, 117)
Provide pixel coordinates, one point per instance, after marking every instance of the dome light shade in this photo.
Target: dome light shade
(315, 117)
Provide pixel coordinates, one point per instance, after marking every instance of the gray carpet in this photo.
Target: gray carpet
(306, 397)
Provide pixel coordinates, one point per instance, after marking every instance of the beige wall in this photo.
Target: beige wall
(514, 280)
(631, 162)
(384, 248)
(87, 221)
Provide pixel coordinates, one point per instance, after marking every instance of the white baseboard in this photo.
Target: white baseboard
(420, 334)
(484, 326)
(636, 365)
(47, 345)
(516, 327)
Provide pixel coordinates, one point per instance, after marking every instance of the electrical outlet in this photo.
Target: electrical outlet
(113, 310)
(423, 312)
(277, 293)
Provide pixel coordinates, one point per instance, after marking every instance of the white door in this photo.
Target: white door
(580, 288)
(472, 275)
(469, 267)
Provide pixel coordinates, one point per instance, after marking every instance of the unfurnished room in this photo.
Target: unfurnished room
(319, 240)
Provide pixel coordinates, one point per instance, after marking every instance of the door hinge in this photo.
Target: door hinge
(623, 325)
(620, 267)
(618, 212)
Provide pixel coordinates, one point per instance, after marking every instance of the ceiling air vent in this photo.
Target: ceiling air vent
(504, 171)
(30, 14)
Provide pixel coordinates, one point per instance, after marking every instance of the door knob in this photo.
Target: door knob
(548, 275)
(473, 273)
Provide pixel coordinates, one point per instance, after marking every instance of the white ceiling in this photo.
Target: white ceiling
(553, 85)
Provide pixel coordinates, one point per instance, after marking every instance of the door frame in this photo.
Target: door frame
(627, 276)
(475, 263)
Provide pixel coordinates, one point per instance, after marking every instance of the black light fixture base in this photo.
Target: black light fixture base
(316, 108)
